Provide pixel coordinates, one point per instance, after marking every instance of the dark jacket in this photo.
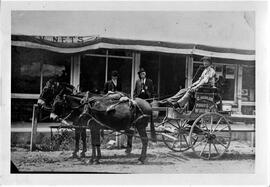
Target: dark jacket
(144, 91)
(109, 86)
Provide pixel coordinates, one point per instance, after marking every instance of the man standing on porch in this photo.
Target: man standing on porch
(113, 84)
(144, 88)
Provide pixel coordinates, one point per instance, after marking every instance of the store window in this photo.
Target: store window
(150, 62)
(124, 68)
(92, 76)
(172, 74)
(56, 65)
(167, 72)
(98, 64)
(248, 84)
(30, 70)
(25, 70)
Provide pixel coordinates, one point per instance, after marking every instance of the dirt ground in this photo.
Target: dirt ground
(239, 159)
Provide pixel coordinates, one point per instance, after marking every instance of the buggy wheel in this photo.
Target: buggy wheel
(175, 134)
(214, 135)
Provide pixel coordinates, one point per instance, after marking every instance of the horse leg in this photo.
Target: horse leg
(95, 140)
(83, 137)
(97, 143)
(98, 155)
(142, 132)
(77, 141)
(129, 141)
(93, 156)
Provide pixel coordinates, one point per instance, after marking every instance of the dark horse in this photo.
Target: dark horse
(56, 90)
(115, 112)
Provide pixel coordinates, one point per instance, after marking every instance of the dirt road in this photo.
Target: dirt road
(239, 159)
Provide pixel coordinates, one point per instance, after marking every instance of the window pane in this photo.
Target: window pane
(150, 62)
(25, 70)
(96, 52)
(229, 86)
(172, 74)
(248, 84)
(22, 109)
(120, 52)
(56, 64)
(124, 67)
(92, 76)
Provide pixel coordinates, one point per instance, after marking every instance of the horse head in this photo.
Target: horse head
(66, 104)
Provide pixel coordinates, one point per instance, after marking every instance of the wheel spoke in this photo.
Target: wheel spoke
(211, 123)
(173, 125)
(173, 143)
(221, 143)
(203, 149)
(185, 139)
(222, 129)
(218, 123)
(180, 140)
(215, 148)
(209, 151)
(204, 125)
(200, 143)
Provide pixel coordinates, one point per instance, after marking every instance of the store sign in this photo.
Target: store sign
(67, 39)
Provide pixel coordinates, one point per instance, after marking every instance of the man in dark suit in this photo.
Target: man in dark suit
(144, 87)
(113, 84)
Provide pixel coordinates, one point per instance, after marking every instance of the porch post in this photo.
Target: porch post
(189, 70)
(239, 88)
(135, 68)
(75, 71)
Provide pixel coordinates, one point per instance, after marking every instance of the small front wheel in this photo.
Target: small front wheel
(175, 135)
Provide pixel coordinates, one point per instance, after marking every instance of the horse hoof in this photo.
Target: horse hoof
(90, 161)
(128, 152)
(96, 162)
(74, 155)
(82, 155)
(141, 161)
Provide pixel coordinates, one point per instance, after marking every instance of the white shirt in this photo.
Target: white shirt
(114, 82)
(208, 75)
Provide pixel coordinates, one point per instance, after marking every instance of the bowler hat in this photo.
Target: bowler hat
(141, 70)
(206, 58)
(114, 73)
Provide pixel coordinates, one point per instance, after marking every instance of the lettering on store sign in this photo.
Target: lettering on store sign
(67, 39)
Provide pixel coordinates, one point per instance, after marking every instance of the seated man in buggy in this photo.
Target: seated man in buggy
(181, 98)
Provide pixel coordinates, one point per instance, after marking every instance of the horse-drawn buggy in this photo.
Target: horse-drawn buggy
(199, 125)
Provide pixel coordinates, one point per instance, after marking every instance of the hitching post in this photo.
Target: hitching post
(34, 128)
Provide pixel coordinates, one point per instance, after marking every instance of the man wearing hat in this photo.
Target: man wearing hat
(144, 88)
(207, 77)
(113, 84)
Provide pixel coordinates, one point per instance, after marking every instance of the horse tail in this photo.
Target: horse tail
(152, 129)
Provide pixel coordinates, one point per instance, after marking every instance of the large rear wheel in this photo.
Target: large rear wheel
(213, 135)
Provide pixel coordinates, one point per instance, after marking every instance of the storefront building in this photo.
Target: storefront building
(88, 62)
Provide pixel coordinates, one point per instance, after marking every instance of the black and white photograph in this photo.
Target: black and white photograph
(135, 91)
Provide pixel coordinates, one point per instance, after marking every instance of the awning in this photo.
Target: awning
(76, 44)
